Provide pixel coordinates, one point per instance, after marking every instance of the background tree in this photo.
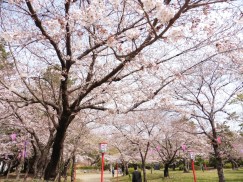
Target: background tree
(207, 91)
(138, 129)
(121, 151)
(175, 139)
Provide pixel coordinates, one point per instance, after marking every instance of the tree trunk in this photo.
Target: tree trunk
(27, 170)
(9, 168)
(73, 173)
(1, 167)
(186, 168)
(144, 172)
(52, 167)
(166, 170)
(65, 169)
(126, 169)
(219, 163)
(40, 158)
(174, 167)
(34, 165)
(234, 165)
(39, 166)
(40, 163)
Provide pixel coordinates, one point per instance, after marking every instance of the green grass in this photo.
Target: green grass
(179, 176)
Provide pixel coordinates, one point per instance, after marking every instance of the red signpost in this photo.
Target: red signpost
(193, 168)
(102, 149)
(102, 168)
(194, 173)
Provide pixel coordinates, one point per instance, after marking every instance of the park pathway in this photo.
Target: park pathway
(93, 177)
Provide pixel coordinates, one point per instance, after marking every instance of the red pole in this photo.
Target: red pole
(102, 168)
(193, 169)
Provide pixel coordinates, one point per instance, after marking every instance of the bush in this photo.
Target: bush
(181, 167)
(88, 167)
(148, 167)
(131, 165)
(227, 165)
(212, 161)
(197, 167)
(130, 170)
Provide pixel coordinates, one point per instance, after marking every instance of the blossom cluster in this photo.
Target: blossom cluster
(7, 36)
(164, 13)
(133, 33)
(115, 3)
(90, 14)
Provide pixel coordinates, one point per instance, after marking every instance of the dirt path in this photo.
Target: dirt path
(93, 177)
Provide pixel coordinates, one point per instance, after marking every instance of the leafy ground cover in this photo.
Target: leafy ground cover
(179, 176)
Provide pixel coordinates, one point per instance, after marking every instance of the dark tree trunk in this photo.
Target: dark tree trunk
(4, 172)
(166, 170)
(27, 170)
(144, 171)
(174, 167)
(126, 169)
(38, 166)
(219, 163)
(52, 167)
(65, 169)
(219, 160)
(9, 167)
(40, 162)
(186, 168)
(234, 165)
(2, 167)
(33, 164)
(73, 173)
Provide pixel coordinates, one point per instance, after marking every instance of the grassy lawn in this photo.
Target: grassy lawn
(176, 176)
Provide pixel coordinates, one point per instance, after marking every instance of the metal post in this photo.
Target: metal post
(102, 168)
(194, 173)
(102, 148)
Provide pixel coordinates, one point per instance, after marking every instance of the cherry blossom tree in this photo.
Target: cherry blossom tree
(77, 138)
(172, 139)
(140, 129)
(230, 146)
(101, 50)
(206, 92)
(120, 150)
(27, 123)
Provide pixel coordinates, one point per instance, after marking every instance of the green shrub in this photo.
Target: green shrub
(227, 165)
(147, 167)
(197, 167)
(130, 170)
(88, 167)
(181, 167)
